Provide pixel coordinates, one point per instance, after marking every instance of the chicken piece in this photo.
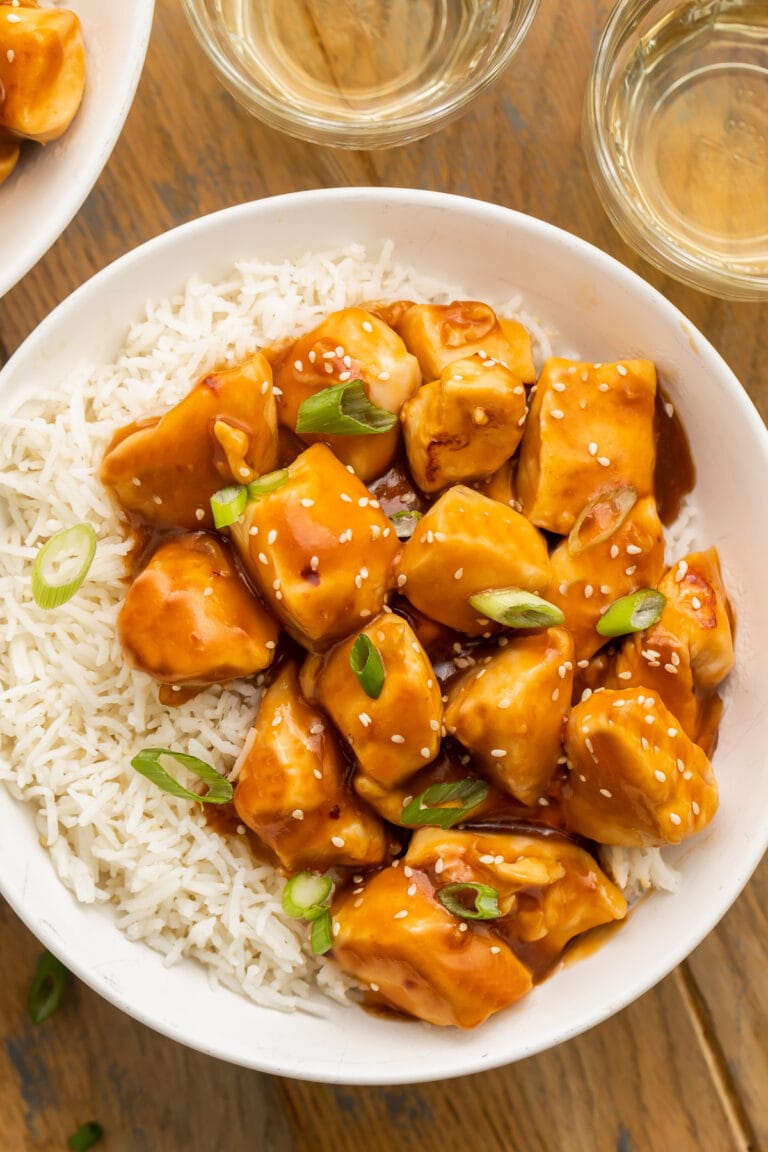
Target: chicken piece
(659, 661)
(42, 71)
(697, 611)
(411, 952)
(501, 485)
(509, 710)
(465, 544)
(188, 618)
(319, 550)
(548, 888)
(397, 733)
(438, 334)
(589, 427)
(9, 152)
(291, 788)
(635, 777)
(224, 431)
(350, 345)
(464, 425)
(586, 580)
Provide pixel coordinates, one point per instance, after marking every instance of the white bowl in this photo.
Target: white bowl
(41, 196)
(604, 311)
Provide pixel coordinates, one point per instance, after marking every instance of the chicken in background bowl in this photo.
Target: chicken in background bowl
(551, 1011)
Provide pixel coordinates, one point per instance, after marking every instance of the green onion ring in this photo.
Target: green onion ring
(426, 808)
(405, 522)
(517, 608)
(618, 502)
(343, 410)
(366, 663)
(147, 763)
(70, 546)
(86, 1136)
(632, 613)
(321, 936)
(269, 482)
(227, 504)
(47, 988)
(485, 901)
(305, 894)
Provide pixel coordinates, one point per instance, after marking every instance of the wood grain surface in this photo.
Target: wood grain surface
(684, 1069)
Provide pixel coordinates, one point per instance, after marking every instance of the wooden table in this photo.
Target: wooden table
(685, 1069)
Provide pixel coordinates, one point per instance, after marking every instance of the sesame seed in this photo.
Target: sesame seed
(494, 950)
(401, 915)
(383, 376)
(364, 719)
(588, 590)
(199, 513)
(463, 928)
(314, 563)
(671, 731)
(543, 802)
(270, 644)
(604, 461)
(434, 725)
(397, 738)
(264, 386)
(695, 602)
(582, 663)
(297, 814)
(407, 871)
(375, 531)
(13, 19)
(589, 745)
(625, 676)
(670, 668)
(621, 370)
(695, 808)
(592, 448)
(486, 859)
(619, 703)
(614, 551)
(680, 764)
(631, 570)
(357, 904)
(633, 550)
(253, 530)
(345, 497)
(262, 558)
(337, 841)
(603, 387)
(306, 502)
(557, 386)
(412, 889)
(312, 356)
(157, 499)
(364, 613)
(644, 744)
(272, 536)
(317, 774)
(557, 414)
(660, 776)
(674, 818)
(556, 694)
(367, 326)
(439, 865)
(10, 55)
(563, 588)
(362, 502)
(402, 580)
(681, 570)
(607, 793)
(648, 719)
(278, 595)
(584, 696)
(605, 589)
(425, 752)
(208, 592)
(344, 376)
(674, 658)
(498, 753)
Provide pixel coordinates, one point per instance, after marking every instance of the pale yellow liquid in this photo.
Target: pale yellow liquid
(340, 59)
(691, 124)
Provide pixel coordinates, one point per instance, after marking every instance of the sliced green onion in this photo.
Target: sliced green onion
(269, 482)
(344, 410)
(228, 503)
(86, 1136)
(321, 936)
(366, 663)
(148, 763)
(470, 901)
(633, 613)
(517, 608)
(62, 564)
(47, 988)
(405, 521)
(600, 518)
(305, 894)
(438, 804)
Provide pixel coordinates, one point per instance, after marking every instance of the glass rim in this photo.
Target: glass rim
(356, 132)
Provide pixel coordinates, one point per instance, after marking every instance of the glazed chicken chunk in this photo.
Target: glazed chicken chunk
(464, 425)
(634, 778)
(188, 618)
(398, 731)
(548, 888)
(42, 70)
(399, 941)
(618, 548)
(395, 804)
(589, 427)
(349, 345)
(697, 610)
(291, 788)
(319, 550)
(509, 710)
(224, 431)
(438, 334)
(467, 543)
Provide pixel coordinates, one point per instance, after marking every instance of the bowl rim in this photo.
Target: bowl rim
(67, 205)
(689, 938)
(630, 222)
(381, 132)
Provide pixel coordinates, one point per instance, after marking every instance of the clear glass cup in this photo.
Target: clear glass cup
(359, 73)
(676, 138)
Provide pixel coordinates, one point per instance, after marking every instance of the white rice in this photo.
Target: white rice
(72, 713)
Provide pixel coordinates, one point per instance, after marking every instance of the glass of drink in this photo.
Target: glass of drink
(359, 73)
(676, 137)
